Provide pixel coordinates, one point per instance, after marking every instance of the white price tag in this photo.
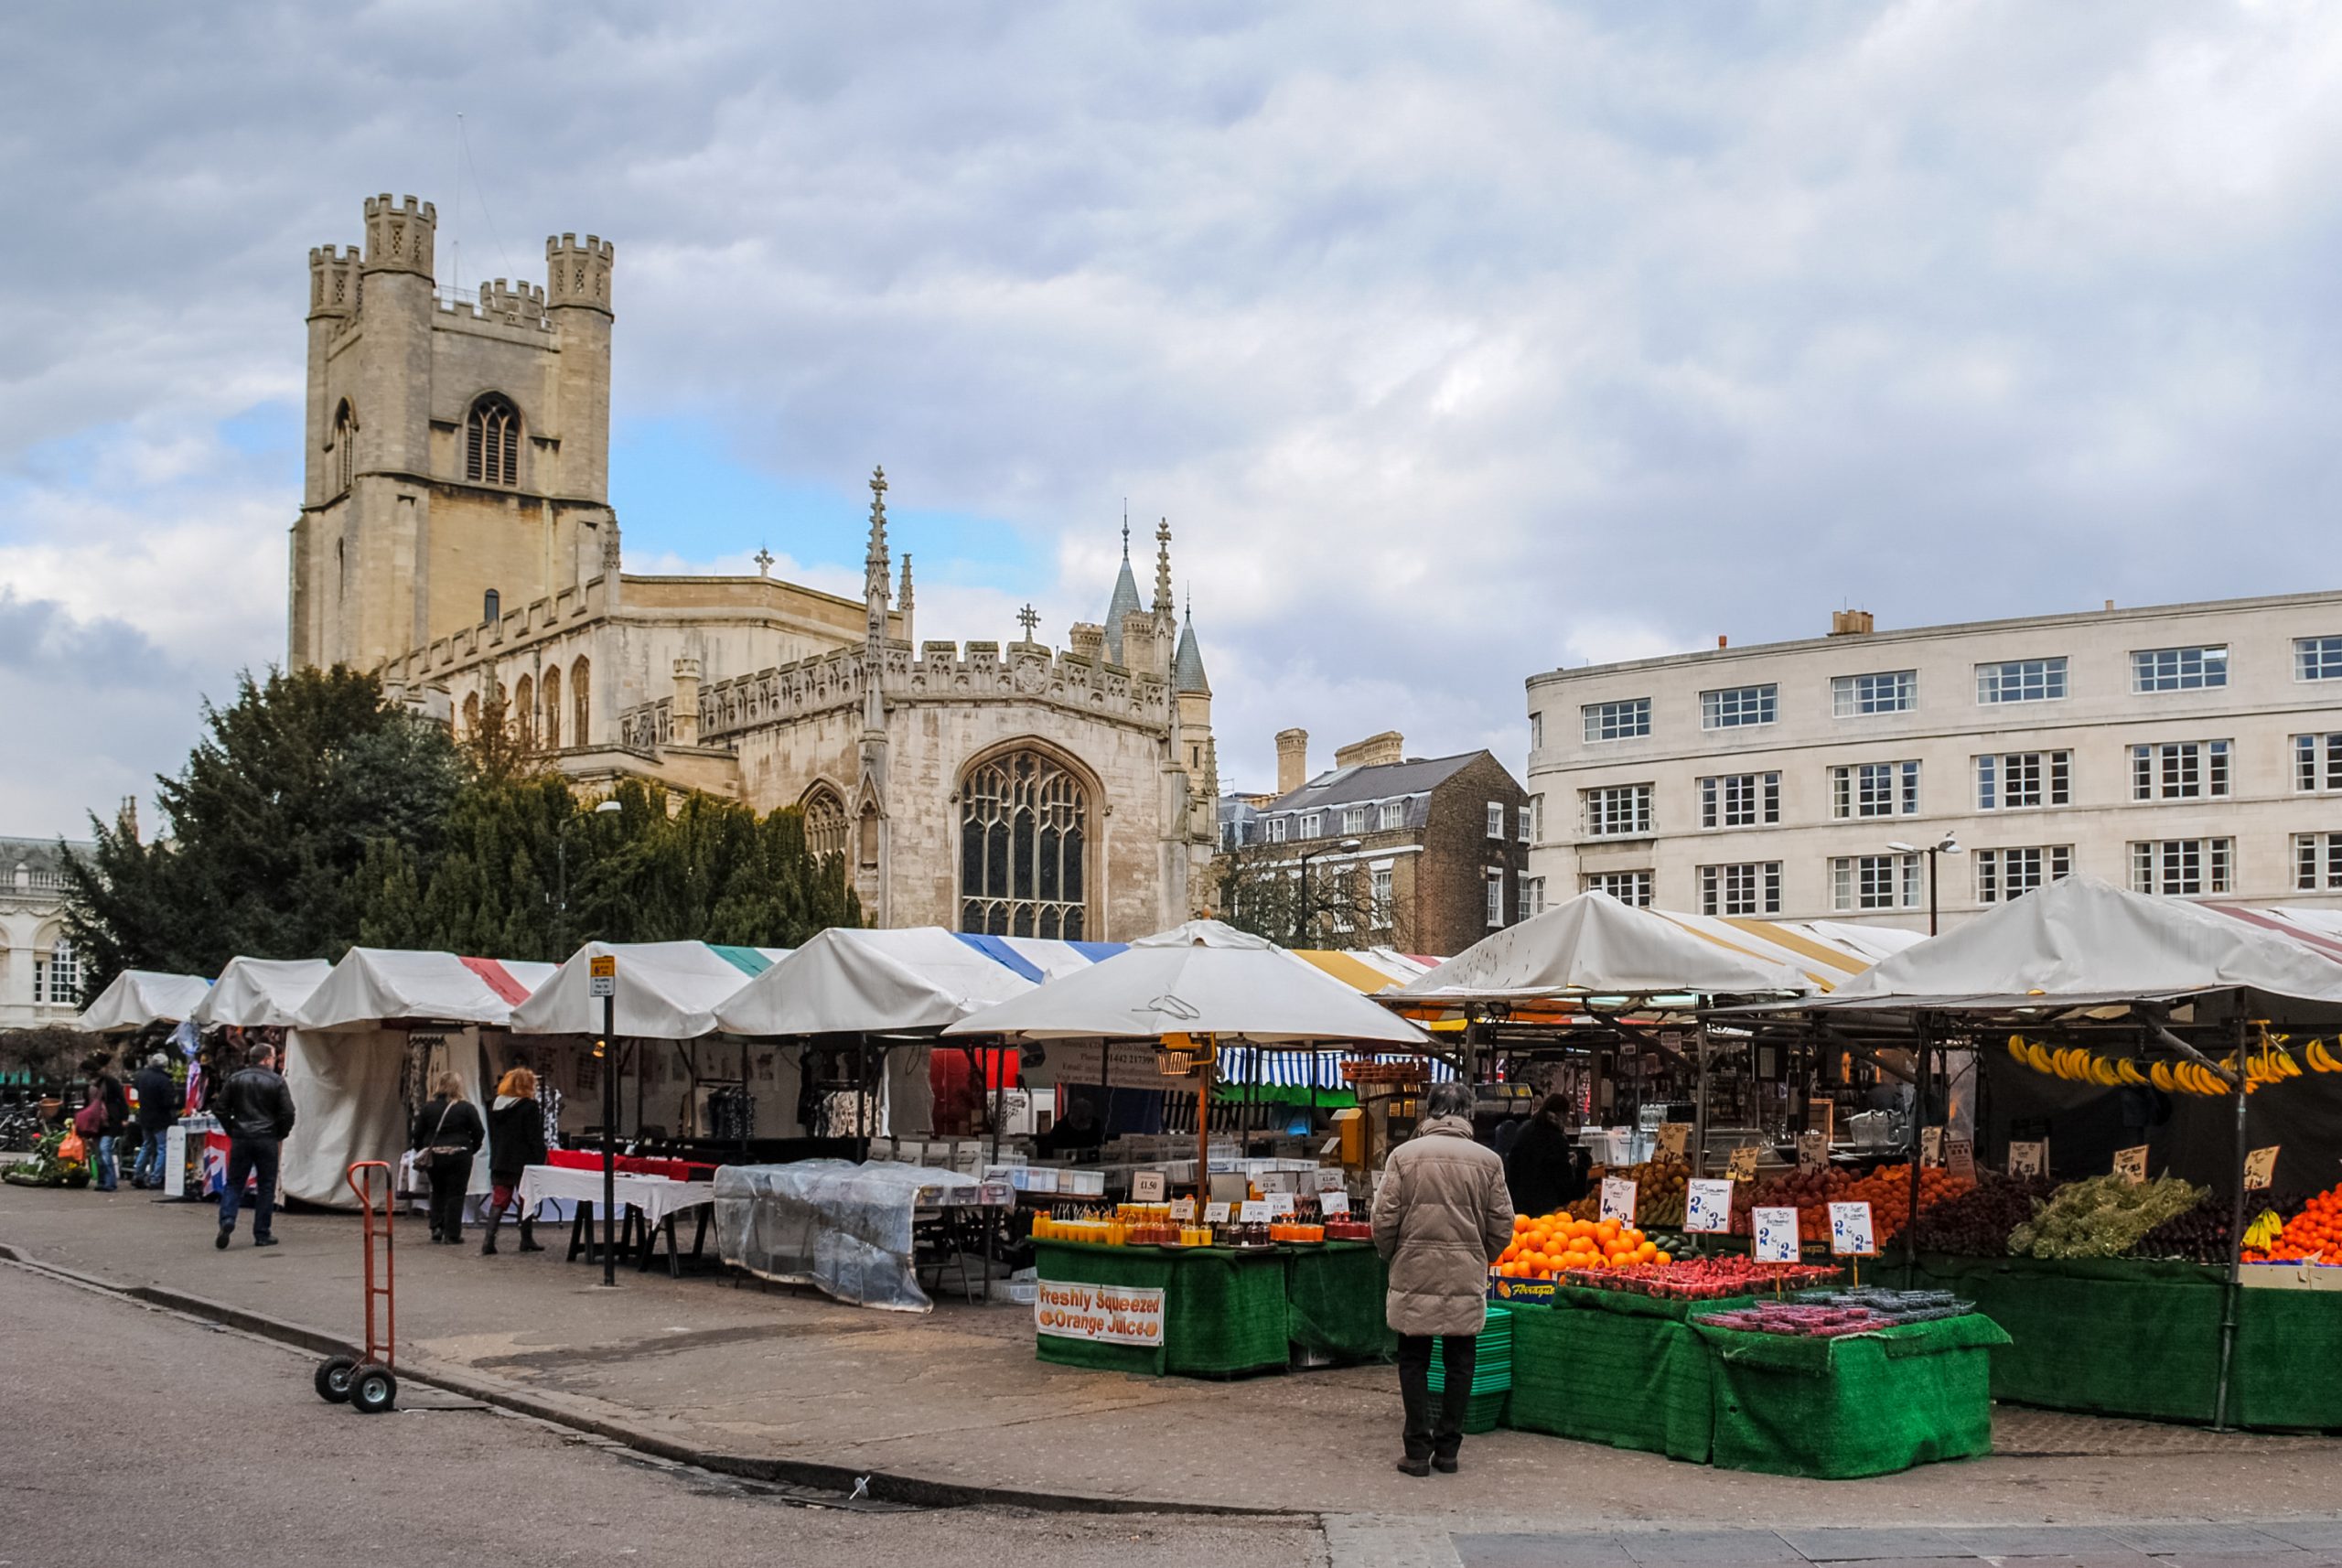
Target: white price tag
(1619, 1199)
(1707, 1205)
(1148, 1186)
(1960, 1157)
(2260, 1168)
(1931, 1146)
(1215, 1214)
(1333, 1203)
(1775, 1235)
(2131, 1164)
(2029, 1158)
(1183, 1209)
(1256, 1211)
(1329, 1179)
(1280, 1205)
(1850, 1231)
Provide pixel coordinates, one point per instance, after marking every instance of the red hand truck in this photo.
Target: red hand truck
(367, 1383)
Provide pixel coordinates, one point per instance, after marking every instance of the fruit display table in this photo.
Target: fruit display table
(1192, 1311)
(2124, 1337)
(1334, 1301)
(1626, 1370)
(1865, 1404)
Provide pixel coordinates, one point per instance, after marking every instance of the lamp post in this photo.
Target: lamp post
(1948, 845)
(561, 855)
(1301, 919)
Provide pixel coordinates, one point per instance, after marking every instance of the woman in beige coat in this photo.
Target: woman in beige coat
(1441, 1217)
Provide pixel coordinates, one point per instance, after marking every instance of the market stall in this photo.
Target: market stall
(2156, 1082)
(252, 993)
(137, 998)
(848, 1228)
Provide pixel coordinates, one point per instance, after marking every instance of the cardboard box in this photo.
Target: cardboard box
(2291, 1276)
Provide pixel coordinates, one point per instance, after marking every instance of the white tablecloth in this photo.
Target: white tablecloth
(657, 1196)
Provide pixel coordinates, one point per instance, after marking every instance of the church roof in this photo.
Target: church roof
(1125, 600)
(1187, 666)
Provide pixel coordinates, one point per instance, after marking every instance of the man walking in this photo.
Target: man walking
(1441, 1217)
(257, 1111)
(159, 1113)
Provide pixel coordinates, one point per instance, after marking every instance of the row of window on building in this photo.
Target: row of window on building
(1375, 816)
(2192, 669)
(2179, 867)
(2004, 782)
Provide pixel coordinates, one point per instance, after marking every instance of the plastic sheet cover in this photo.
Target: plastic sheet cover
(833, 1224)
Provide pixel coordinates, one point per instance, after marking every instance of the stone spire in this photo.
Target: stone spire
(1164, 609)
(1188, 664)
(874, 579)
(1124, 601)
(905, 604)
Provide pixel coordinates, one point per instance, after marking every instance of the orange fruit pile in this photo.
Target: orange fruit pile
(2317, 1228)
(1544, 1247)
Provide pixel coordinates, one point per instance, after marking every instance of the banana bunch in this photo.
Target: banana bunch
(2076, 1064)
(2321, 1058)
(2262, 1233)
(2269, 1064)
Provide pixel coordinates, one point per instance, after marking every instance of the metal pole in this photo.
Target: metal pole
(2230, 1292)
(609, 1143)
(1203, 1126)
(1919, 1116)
(1931, 890)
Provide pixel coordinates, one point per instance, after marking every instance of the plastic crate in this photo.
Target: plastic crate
(1486, 1413)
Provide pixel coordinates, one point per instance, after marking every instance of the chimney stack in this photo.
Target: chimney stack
(1293, 760)
(1374, 750)
(1850, 623)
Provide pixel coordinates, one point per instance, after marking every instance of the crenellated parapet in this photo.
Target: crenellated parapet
(549, 617)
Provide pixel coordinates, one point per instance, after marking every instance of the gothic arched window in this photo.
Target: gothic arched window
(472, 715)
(345, 445)
(549, 704)
(581, 679)
(1024, 849)
(492, 441)
(824, 822)
(525, 713)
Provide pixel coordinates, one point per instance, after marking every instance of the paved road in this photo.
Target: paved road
(134, 1436)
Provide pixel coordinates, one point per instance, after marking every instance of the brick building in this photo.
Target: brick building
(1425, 854)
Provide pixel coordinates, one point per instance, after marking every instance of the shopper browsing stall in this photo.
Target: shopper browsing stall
(446, 1133)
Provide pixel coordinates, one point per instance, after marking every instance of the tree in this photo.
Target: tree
(265, 830)
(1260, 890)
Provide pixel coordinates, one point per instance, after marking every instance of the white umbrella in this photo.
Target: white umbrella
(1204, 978)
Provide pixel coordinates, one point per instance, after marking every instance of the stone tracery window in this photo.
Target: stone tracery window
(345, 445)
(549, 704)
(524, 714)
(824, 822)
(1023, 848)
(492, 441)
(472, 715)
(581, 678)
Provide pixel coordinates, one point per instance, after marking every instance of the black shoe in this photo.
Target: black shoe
(435, 1238)
(488, 1247)
(1445, 1467)
(528, 1246)
(1415, 1468)
(264, 1241)
(221, 1240)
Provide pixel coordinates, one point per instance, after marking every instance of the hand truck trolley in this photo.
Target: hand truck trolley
(367, 1383)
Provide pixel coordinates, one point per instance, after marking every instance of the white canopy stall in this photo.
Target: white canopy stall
(348, 1055)
(137, 997)
(261, 993)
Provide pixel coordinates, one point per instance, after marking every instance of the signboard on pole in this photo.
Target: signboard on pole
(1774, 1232)
(1851, 1232)
(1619, 1199)
(1707, 1205)
(602, 976)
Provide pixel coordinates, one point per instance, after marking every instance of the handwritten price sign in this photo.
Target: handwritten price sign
(1673, 1136)
(2028, 1159)
(2131, 1164)
(1775, 1235)
(1812, 1151)
(1931, 1146)
(1707, 1205)
(2260, 1168)
(1960, 1157)
(1850, 1231)
(1742, 1164)
(1619, 1199)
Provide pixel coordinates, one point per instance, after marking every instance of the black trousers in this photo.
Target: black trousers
(1436, 1432)
(450, 1175)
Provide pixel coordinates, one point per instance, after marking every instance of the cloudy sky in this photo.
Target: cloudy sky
(1456, 342)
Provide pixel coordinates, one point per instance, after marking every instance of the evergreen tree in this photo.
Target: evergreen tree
(265, 830)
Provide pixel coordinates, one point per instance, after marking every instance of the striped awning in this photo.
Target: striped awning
(1826, 952)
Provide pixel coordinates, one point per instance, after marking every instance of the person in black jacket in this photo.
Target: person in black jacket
(256, 1110)
(113, 1118)
(159, 1113)
(446, 1135)
(516, 1140)
(1546, 1169)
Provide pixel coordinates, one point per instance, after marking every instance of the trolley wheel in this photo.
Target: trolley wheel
(372, 1390)
(333, 1379)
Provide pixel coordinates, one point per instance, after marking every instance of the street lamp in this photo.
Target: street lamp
(1300, 920)
(1950, 845)
(560, 845)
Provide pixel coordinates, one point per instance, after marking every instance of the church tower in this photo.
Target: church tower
(457, 452)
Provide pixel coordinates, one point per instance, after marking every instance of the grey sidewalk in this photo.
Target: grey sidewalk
(2303, 1545)
(956, 1398)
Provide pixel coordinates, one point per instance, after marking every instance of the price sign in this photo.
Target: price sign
(1183, 1209)
(1931, 1146)
(1215, 1214)
(1812, 1151)
(1850, 1231)
(602, 976)
(2260, 1168)
(1280, 1205)
(1775, 1235)
(1333, 1203)
(1148, 1186)
(1960, 1157)
(1328, 1180)
(1673, 1136)
(1256, 1211)
(1707, 1205)
(2029, 1158)
(2131, 1164)
(1619, 1199)
(1743, 1165)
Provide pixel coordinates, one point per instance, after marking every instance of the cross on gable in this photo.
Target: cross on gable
(1028, 618)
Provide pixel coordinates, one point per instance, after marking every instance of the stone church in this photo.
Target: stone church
(456, 536)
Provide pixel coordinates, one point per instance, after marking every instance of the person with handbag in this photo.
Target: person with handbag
(256, 1112)
(516, 1140)
(446, 1133)
(102, 1121)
